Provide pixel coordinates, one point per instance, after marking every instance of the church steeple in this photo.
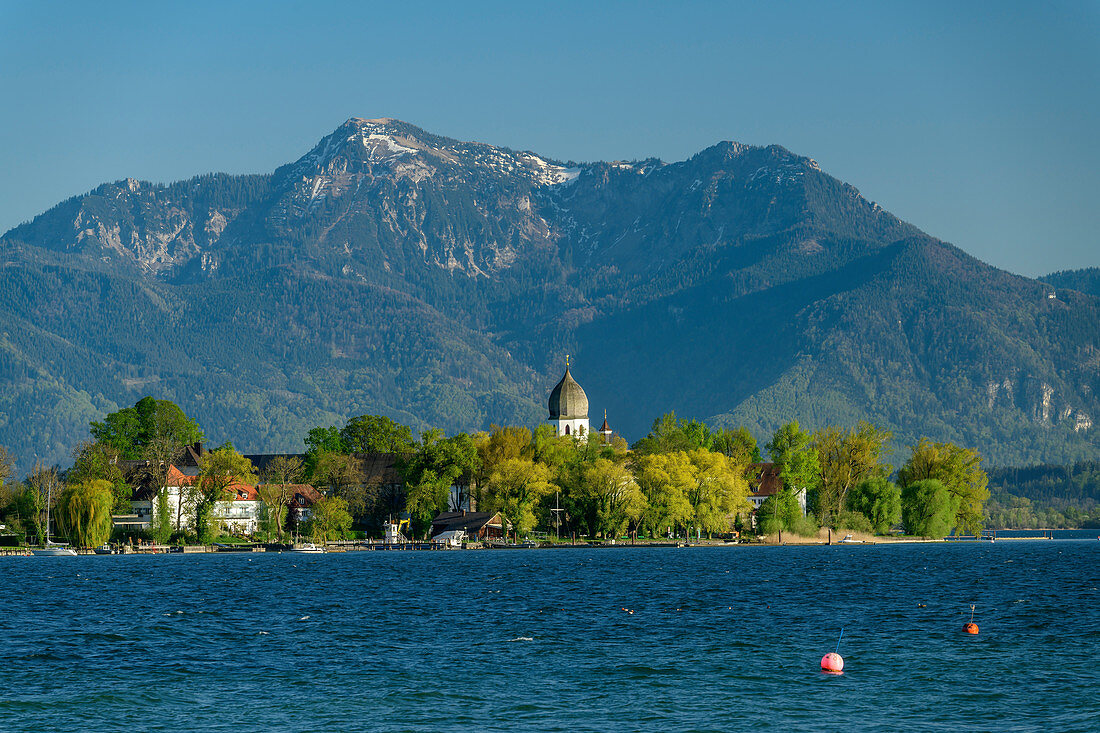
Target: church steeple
(568, 405)
(605, 431)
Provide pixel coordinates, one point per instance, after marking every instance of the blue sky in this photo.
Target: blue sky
(977, 122)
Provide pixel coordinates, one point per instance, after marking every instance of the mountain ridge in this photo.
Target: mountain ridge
(395, 271)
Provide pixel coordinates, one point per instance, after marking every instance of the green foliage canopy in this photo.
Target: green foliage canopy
(375, 434)
(84, 512)
(131, 429)
(329, 519)
(928, 508)
(879, 501)
(959, 471)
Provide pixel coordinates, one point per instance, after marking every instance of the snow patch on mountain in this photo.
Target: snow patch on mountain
(384, 147)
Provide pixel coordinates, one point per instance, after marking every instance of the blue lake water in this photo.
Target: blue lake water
(721, 639)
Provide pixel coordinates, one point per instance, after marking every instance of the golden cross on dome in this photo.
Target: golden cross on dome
(567, 361)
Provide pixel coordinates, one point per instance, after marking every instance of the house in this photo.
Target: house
(764, 480)
(239, 512)
(477, 526)
(302, 501)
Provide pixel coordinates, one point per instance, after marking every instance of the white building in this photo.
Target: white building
(238, 514)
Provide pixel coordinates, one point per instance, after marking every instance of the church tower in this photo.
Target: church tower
(605, 430)
(569, 406)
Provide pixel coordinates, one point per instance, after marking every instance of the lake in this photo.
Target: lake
(720, 639)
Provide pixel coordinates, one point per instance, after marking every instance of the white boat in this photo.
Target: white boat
(51, 549)
(54, 551)
(849, 541)
(307, 547)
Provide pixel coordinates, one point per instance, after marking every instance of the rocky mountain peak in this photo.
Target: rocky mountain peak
(389, 146)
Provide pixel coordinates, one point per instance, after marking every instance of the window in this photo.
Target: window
(567, 430)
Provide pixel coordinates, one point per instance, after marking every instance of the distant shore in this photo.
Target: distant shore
(822, 539)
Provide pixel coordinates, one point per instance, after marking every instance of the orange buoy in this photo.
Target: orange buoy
(970, 627)
(832, 663)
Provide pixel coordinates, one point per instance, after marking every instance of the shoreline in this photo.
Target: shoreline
(360, 546)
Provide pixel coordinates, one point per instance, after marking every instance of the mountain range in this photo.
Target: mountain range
(442, 283)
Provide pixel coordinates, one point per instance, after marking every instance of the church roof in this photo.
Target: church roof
(568, 401)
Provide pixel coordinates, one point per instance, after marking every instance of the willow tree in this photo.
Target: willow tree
(608, 497)
(664, 479)
(329, 519)
(960, 472)
(84, 512)
(515, 487)
(845, 458)
(718, 492)
(928, 508)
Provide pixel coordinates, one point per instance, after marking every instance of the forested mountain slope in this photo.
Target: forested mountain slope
(441, 282)
(1086, 280)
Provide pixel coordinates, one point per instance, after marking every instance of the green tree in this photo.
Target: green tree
(718, 491)
(43, 489)
(780, 512)
(84, 512)
(438, 464)
(167, 438)
(329, 519)
(928, 508)
(325, 439)
(218, 471)
(846, 457)
(322, 440)
(130, 429)
(376, 434)
(791, 451)
(30, 506)
(738, 444)
(670, 435)
(959, 470)
(607, 498)
(550, 449)
(161, 524)
(277, 489)
(99, 461)
(515, 487)
(879, 500)
(665, 479)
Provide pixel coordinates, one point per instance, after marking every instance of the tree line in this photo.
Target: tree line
(683, 479)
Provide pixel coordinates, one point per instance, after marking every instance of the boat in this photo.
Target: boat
(849, 541)
(52, 550)
(307, 547)
(106, 549)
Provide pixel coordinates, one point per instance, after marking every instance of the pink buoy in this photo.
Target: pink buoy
(832, 663)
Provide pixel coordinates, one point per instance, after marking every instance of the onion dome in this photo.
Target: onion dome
(568, 401)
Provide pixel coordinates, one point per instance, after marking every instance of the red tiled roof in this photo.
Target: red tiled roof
(243, 492)
(238, 491)
(304, 496)
(764, 479)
